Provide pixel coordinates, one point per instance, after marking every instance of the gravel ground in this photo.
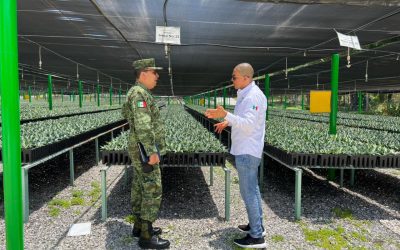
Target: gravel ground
(362, 217)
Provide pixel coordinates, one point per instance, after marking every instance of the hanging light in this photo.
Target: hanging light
(40, 57)
(77, 71)
(286, 70)
(348, 58)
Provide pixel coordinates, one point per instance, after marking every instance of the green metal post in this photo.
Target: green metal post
(30, 94)
(50, 92)
(227, 193)
(272, 100)
(71, 167)
(11, 126)
(96, 144)
(204, 100)
(103, 194)
(334, 94)
(80, 93)
(111, 95)
(168, 99)
(98, 95)
(209, 99)
(119, 95)
(297, 198)
(359, 94)
(224, 96)
(267, 92)
(352, 176)
(215, 99)
(302, 100)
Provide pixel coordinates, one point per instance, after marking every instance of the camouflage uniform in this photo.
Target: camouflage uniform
(146, 127)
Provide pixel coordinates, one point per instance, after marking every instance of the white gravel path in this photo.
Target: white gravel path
(192, 211)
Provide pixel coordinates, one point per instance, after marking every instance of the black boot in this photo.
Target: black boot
(150, 241)
(136, 231)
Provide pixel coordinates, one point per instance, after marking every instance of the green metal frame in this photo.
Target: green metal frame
(50, 92)
(11, 148)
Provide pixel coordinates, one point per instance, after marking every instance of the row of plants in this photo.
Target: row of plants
(304, 136)
(297, 136)
(346, 119)
(33, 111)
(36, 134)
(182, 132)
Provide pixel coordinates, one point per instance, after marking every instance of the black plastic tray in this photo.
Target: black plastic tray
(109, 157)
(34, 154)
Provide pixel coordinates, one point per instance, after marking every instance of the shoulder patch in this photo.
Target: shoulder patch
(141, 104)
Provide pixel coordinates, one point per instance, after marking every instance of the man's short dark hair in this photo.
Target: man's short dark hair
(137, 72)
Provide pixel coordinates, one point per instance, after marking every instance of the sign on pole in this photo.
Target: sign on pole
(348, 41)
(169, 35)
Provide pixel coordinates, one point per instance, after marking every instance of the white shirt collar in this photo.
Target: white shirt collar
(244, 91)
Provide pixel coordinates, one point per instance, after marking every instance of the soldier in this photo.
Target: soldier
(143, 116)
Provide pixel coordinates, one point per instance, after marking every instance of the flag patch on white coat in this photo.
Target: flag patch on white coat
(255, 107)
(141, 104)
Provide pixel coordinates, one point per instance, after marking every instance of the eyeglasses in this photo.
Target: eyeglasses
(236, 77)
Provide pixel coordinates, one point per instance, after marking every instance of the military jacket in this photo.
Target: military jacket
(144, 119)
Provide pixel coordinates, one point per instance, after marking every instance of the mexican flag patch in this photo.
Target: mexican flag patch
(141, 104)
(255, 107)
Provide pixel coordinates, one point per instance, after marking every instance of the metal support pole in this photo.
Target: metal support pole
(25, 193)
(98, 95)
(359, 94)
(111, 95)
(215, 99)
(11, 145)
(80, 93)
(209, 100)
(334, 95)
(341, 177)
(302, 100)
(211, 175)
(96, 142)
(71, 167)
(352, 176)
(30, 94)
(227, 193)
(103, 194)
(267, 92)
(50, 92)
(119, 95)
(224, 96)
(297, 199)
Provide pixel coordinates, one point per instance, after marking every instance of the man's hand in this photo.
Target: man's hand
(219, 112)
(154, 159)
(220, 126)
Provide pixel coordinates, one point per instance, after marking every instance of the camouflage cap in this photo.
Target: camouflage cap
(148, 63)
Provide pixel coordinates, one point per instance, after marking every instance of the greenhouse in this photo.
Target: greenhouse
(312, 86)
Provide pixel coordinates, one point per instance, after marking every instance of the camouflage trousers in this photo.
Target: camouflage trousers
(146, 191)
